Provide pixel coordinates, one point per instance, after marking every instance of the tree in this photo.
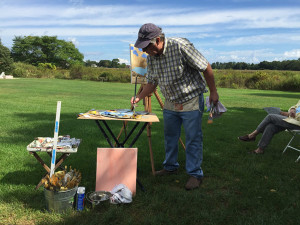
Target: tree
(45, 49)
(90, 63)
(115, 63)
(6, 62)
(104, 63)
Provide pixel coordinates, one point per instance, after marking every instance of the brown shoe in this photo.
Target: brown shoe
(193, 183)
(246, 138)
(164, 172)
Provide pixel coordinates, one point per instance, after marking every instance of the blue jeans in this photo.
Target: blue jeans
(192, 122)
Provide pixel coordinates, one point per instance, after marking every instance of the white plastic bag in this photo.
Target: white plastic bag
(120, 194)
(217, 110)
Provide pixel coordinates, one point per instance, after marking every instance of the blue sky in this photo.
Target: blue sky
(222, 30)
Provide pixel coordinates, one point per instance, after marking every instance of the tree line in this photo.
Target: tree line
(47, 51)
(115, 63)
(50, 52)
(293, 65)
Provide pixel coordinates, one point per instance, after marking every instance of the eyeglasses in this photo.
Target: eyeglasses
(145, 49)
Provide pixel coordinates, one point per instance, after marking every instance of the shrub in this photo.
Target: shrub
(24, 70)
(76, 72)
(291, 83)
(263, 80)
(47, 66)
(29, 71)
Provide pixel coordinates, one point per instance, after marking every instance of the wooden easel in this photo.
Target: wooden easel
(148, 108)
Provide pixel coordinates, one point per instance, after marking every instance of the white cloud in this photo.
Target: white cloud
(275, 38)
(113, 15)
(108, 24)
(124, 61)
(248, 56)
(79, 31)
(292, 54)
(74, 41)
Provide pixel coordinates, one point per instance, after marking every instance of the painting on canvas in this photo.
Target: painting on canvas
(138, 61)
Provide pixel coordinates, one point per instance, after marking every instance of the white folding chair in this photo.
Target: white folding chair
(294, 133)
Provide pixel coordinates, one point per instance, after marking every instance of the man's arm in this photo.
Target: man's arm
(210, 80)
(147, 89)
(284, 113)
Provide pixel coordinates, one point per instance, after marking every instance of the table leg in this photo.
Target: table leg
(114, 137)
(121, 131)
(150, 148)
(130, 133)
(138, 135)
(104, 134)
(111, 133)
(40, 161)
(57, 164)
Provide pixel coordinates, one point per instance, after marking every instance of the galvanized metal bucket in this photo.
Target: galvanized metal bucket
(59, 201)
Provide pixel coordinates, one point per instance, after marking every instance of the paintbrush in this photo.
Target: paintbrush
(210, 115)
(134, 95)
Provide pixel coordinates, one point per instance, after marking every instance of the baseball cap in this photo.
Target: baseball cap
(146, 33)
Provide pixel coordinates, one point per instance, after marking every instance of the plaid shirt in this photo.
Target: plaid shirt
(177, 70)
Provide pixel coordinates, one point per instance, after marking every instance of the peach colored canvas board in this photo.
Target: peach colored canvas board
(116, 166)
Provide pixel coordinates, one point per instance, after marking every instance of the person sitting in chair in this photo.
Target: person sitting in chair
(273, 124)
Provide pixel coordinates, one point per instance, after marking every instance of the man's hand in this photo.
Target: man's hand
(134, 101)
(214, 97)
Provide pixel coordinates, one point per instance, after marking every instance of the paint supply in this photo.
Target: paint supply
(80, 198)
(210, 115)
(134, 104)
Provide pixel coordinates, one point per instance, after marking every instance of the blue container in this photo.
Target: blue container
(80, 198)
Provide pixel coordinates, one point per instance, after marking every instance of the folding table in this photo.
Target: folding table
(144, 119)
(63, 151)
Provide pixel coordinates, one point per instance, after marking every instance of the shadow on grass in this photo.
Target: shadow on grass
(42, 125)
(31, 199)
(281, 95)
(20, 177)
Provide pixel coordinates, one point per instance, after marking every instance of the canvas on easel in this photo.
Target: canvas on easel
(116, 166)
(138, 62)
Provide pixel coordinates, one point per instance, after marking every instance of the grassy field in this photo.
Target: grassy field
(239, 188)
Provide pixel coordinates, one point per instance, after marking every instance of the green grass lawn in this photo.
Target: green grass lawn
(239, 188)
